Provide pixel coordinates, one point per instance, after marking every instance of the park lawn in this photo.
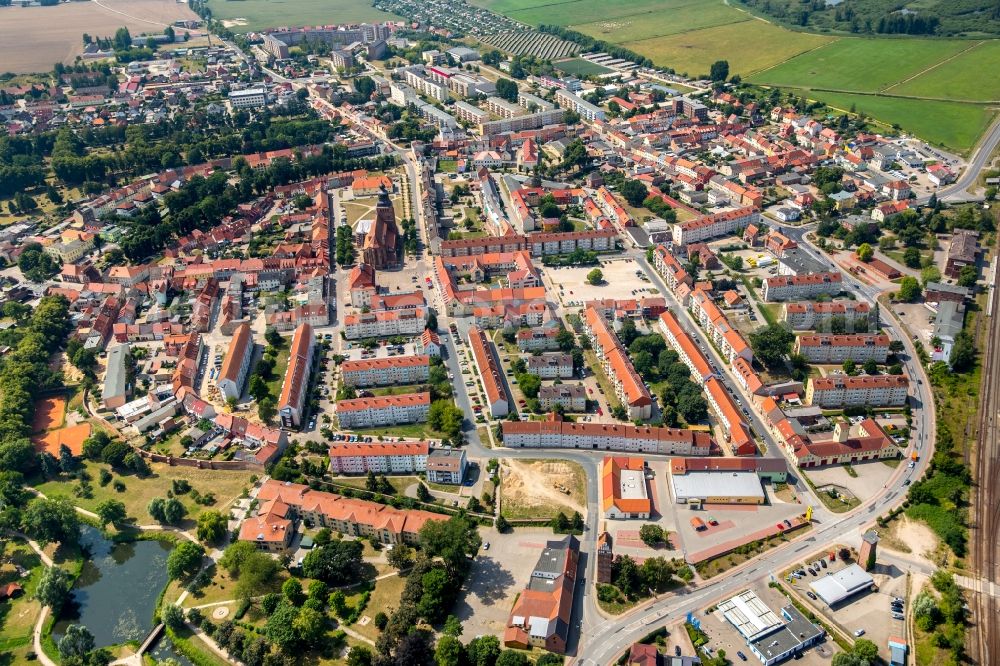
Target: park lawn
(260, 14)
(749, 47)
(961, 78)
(227, 486)
(954, 125)
(385, 598)
(447, 166)
(407, 430)
(580, 67)
(860, 65)
(656, 23)
(17, 616)
(278, 373)
(222, 588)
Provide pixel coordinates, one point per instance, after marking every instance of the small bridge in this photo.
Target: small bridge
(136, 659)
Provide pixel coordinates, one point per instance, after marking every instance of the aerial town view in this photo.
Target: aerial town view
(499, 332)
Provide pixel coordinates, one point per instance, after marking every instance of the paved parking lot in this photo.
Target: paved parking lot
(570, 284)
(497, 576)
(871, 477)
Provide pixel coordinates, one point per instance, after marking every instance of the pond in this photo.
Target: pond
(116, 593)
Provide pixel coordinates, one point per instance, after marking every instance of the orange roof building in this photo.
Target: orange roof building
(295, 385)
(542, 615)
(236, 365)
(624, 493)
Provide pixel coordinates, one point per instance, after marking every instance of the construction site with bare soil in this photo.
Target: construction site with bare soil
(540, 489)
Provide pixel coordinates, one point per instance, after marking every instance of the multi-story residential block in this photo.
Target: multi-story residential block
(386, 371)
(817, 315)
(558, 434)
(502, 108)
(712, 226)
(379, 458)
(571, 397)
(836, 349)
(551, 366)
(538, 339)
(469, 113)
(293, 502)
(629, 387)
(236, 365)
(446, 465)
(685, 347)
(251, 98)
(295, 385)
(738, 437)
(576, 103)
(383, 410)
(670, 269)
(837, 391)
(730, 341)
(799, 287)
(521, 123)
(533, 103)
(490, 376)
(384, 324)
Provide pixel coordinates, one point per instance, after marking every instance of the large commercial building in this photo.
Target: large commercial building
(490, 376)
(542, 615)
(383, 410)
(624, 491)
(236, 365)
(806, 286)
(392, 370)
(839, 586)
(558, 434)
(379, 457)
(836, 349)
(295, 385)
(837, 391)
(722, 487)
(771, 638)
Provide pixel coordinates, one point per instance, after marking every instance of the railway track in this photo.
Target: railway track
(985, 637)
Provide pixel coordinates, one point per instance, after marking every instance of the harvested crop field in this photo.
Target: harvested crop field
(55, 34)
(539, 489)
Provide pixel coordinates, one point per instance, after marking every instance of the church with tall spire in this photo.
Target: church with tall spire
(382, 247)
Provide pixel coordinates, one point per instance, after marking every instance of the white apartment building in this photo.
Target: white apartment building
(568, 100)
(521, 123)
(446, 465)
(551, 366)
(835, 349)
(384, 323)
(837, 391)
(388, 371)
(712, 226)
(571, 397)
(605, 436)
(426, 87)
(379, 457)
(469, 113)
(502, 108)
(251, 98)
(810, 315)
(798, 287)
(383, 410)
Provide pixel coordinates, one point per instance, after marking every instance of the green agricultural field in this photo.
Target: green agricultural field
(576, 12)
(749, 47)
(261, 14)
(656, 23)
(580, 67)
(951, 124)
(969, 76)
(860, 65)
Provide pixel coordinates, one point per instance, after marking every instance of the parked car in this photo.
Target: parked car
(859, 633)
(811, 596)
(742, 656)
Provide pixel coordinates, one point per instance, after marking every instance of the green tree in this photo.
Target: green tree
(173, 616)
(53, 588)
(184, 560)
(211, 526)
(507, 89)
(310, 626)
(909, 290)
(337, 563)
(719, 71)
(865, 252)
(634, 192)
(292, 590)
(963, 353)
(772, 344)
(454, 540)
(76, 643)
(51, 520)
(512, 658)
(280, 628)
(111, 511)
(651, 534)
(595, 277)
(911, 257)
(449, 651)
